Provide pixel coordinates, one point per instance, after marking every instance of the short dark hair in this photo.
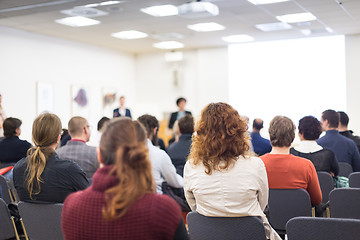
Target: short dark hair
(310, 128)
(101, 122)
(10, 125)
(186, 124)
(179, 100)
(344, 119)
(258, 125)
(332, 117)
(150, 122)
(281, 131)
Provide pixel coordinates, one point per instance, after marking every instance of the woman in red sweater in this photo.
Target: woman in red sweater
(121, 203)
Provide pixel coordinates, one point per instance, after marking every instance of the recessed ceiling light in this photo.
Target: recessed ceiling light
(237, 38)
(131, 34)
(329, 30)
(161, 10)
(259, 2)
(268, 27)
(297, 17)
(168, 45)
(206, 27)
(77, 21)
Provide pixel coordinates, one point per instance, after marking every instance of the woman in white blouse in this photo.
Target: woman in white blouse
(220, 179)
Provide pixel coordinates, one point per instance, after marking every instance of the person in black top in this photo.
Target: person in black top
(42, 176)
(180, 102)
(323, 159)
(343, 129)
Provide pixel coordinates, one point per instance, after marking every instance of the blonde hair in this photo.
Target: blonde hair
(45, 132)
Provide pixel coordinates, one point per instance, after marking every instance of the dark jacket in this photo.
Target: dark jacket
(116, 113)
(179, 151)
(13, 149)
(173, 118)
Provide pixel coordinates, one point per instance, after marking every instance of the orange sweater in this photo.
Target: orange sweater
(289, 171)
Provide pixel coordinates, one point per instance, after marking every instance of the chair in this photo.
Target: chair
(354, 180)
(285, 204)
(42, 221)
(307, 228)
(7, 224)
(6, 190)
(229, 228)
(327, 185)
(345, 169)
(345, 203)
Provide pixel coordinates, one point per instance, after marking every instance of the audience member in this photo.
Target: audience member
(180, 150)
(261, 145)
(323, 159)
(344, 148)
(343, 129)
(162, 168)
(95, 137)
(76, 149)
(65, 137)
(2, 118)
(284, 170)
(220, 180)
(181, 103)
(42, 176)
(122, 111)
(121, 203)
(12, 149)
(176, 133)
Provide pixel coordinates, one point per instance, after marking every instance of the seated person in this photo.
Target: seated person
(12, 149)
(261, 145)
(284, 170)
(323, 159)
(121, 202)
(220, 179)
(181, 103)
(42, 176)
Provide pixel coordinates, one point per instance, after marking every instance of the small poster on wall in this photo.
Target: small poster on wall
(110, 100)
(80, 101)
(45, 98)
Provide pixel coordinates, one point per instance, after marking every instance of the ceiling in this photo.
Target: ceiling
(238, 16)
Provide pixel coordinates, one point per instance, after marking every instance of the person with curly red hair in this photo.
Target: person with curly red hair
(220, 178)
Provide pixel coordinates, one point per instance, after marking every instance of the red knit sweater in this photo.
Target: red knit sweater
(153, 216)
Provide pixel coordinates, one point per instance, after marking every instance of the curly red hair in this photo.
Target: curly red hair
(221, 137)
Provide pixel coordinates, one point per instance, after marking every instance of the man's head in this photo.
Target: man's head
(181, 102)
(102, 123)
(122, 101)
(344, 120)
(329, 120)
(151, 125)
(12, 127)
(258, 124)
(281, 131)
(186, 124)
(79, 128)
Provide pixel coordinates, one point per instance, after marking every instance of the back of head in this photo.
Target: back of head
(123, 145)
(332, 117)
(10, 125)
(344, 119)
(310, 128)
(281, 131)
(46, 132)
(102, 122)
(186, 124)
(150, 123)
(258, 124)
(76, 126)
(221, 137)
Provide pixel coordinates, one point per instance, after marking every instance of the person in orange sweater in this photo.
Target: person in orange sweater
(284, 170)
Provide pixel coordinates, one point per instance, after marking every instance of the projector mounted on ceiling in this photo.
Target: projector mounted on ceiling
(198, 10)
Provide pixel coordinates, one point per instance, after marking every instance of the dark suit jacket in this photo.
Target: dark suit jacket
(173, 118)
(116, 113)
(13, 149)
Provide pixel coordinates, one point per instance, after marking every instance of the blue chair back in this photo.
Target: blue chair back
(326, 184)
(345, 169)
(354, 180)
(345, 203)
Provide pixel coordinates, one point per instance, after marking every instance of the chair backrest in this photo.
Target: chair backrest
(42, 221)
(345, 203)
(304, 228)
(326, 184)
(285, 204)
(229, 228)
(354, 180)
(5, 190)
(345, 169)
(7, 228)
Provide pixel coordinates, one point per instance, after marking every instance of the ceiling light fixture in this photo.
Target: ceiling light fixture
(161, 10)
(77, 21)
(103, 3)
(268, 27)
(297, 17)
(168, 45)
(238, 38)
(206, 27)
(131, 34)
(260, 2)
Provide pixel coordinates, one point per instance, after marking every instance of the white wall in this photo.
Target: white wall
(26, 58)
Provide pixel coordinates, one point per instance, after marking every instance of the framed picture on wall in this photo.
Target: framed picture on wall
(44, 97)
(80, 101)
(110, 98)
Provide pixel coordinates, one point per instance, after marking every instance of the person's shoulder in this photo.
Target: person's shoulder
(20, 164)
(300, 160)
(165, 203)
